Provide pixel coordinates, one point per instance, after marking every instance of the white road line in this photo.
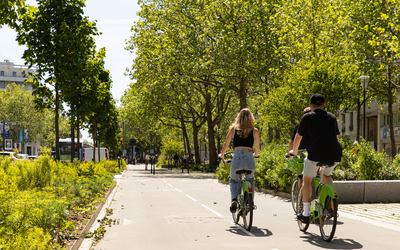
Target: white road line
(179, 190)
(164, 181)
(212, 210)
(170, 185)
(244, 230)
(191, 197)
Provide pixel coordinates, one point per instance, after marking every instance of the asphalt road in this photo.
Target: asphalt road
(180, 211)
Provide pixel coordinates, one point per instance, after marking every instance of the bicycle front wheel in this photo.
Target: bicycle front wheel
(295, 193)
(328, 219)
(247, 211)
(300, 208)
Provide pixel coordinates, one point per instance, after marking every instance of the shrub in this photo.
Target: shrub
(37, 199)
(369, 163)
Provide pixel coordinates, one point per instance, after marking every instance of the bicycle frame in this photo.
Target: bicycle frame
(322, 191)
(245, 187)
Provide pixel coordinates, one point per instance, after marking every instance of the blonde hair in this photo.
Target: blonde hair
(244, 123)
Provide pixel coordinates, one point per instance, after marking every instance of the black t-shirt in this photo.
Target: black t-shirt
(321, 129)
(303, 142)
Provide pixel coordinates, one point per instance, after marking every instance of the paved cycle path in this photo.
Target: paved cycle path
(173, 210)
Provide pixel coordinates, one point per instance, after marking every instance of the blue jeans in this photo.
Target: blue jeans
(242, 159)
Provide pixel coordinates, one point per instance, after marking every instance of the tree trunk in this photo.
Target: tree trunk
(358, 118)
(242, 94)
(94, 143)
(270, 134)
(98, 148)
(390, 109)
(185, 137)
(72, 138)
(56, 120)
(78, 147)
(196, 142)
(210, 131)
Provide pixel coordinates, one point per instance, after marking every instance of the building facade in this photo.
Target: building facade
(13, 73)
(377, 130)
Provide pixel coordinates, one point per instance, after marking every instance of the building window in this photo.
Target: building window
(2, 85)
(1, 73)
(395, 118)
(387, 119)
(351, 121)
(14, 74)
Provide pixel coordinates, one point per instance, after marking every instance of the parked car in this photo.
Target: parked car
(9, 154)
(22, 156)
(33, 157)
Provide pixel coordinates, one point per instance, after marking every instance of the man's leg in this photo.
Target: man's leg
(327, 179)
(307, 192)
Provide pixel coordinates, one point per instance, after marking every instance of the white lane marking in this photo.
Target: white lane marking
(170, 185)
(244, 230)
(191, 197)
(179, 190)
(212, 210)
(164, 181)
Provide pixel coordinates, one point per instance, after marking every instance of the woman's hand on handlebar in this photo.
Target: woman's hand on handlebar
(256, 156)
(221, 156)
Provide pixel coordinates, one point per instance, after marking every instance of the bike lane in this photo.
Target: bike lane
(179, 211)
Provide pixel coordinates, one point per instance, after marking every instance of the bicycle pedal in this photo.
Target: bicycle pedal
(254, 207)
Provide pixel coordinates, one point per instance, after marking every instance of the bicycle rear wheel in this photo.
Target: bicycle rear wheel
(295, 194)
(300, 208)
(236, 215)
(328, 219)
(247, 211)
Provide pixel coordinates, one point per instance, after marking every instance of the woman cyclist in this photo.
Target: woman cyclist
(244, 136)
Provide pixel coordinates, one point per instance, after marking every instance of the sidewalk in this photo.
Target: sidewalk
(384, 215)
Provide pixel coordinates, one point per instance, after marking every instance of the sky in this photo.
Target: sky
(114, 20)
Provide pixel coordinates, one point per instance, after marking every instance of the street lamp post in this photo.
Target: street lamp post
(364, 85)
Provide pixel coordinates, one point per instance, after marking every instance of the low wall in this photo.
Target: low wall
(368, 191)
(351, 192)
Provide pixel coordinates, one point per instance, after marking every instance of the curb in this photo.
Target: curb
(86, 243)
(266, 191)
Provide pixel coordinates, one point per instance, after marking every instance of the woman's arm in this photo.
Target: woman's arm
(228, 139)
(256, 135)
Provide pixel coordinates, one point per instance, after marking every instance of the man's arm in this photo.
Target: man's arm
(296, 143)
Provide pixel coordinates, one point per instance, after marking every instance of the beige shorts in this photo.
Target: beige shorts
(310, 168)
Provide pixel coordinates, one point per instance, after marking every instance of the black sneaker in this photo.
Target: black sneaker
(233, 206)
(302, 218)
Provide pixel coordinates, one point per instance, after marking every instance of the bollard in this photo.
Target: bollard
(154, 164)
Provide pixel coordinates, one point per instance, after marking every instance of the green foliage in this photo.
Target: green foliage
(37, 199)
(172, 148)
(369, 163)
(366, 164)
(271, 171)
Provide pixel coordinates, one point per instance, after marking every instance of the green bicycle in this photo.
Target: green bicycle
(245, 205)
(323, 209)
(296, 164)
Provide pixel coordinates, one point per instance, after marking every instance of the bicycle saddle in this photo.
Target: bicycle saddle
(243, 171)
(327, 164)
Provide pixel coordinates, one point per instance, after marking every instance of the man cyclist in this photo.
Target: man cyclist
(322, 133)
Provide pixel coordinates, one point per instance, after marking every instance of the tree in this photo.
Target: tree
(10, 11)
(376, 36)
(58, 37)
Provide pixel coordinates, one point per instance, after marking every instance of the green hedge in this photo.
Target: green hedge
(367, 164)
(42, 202)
